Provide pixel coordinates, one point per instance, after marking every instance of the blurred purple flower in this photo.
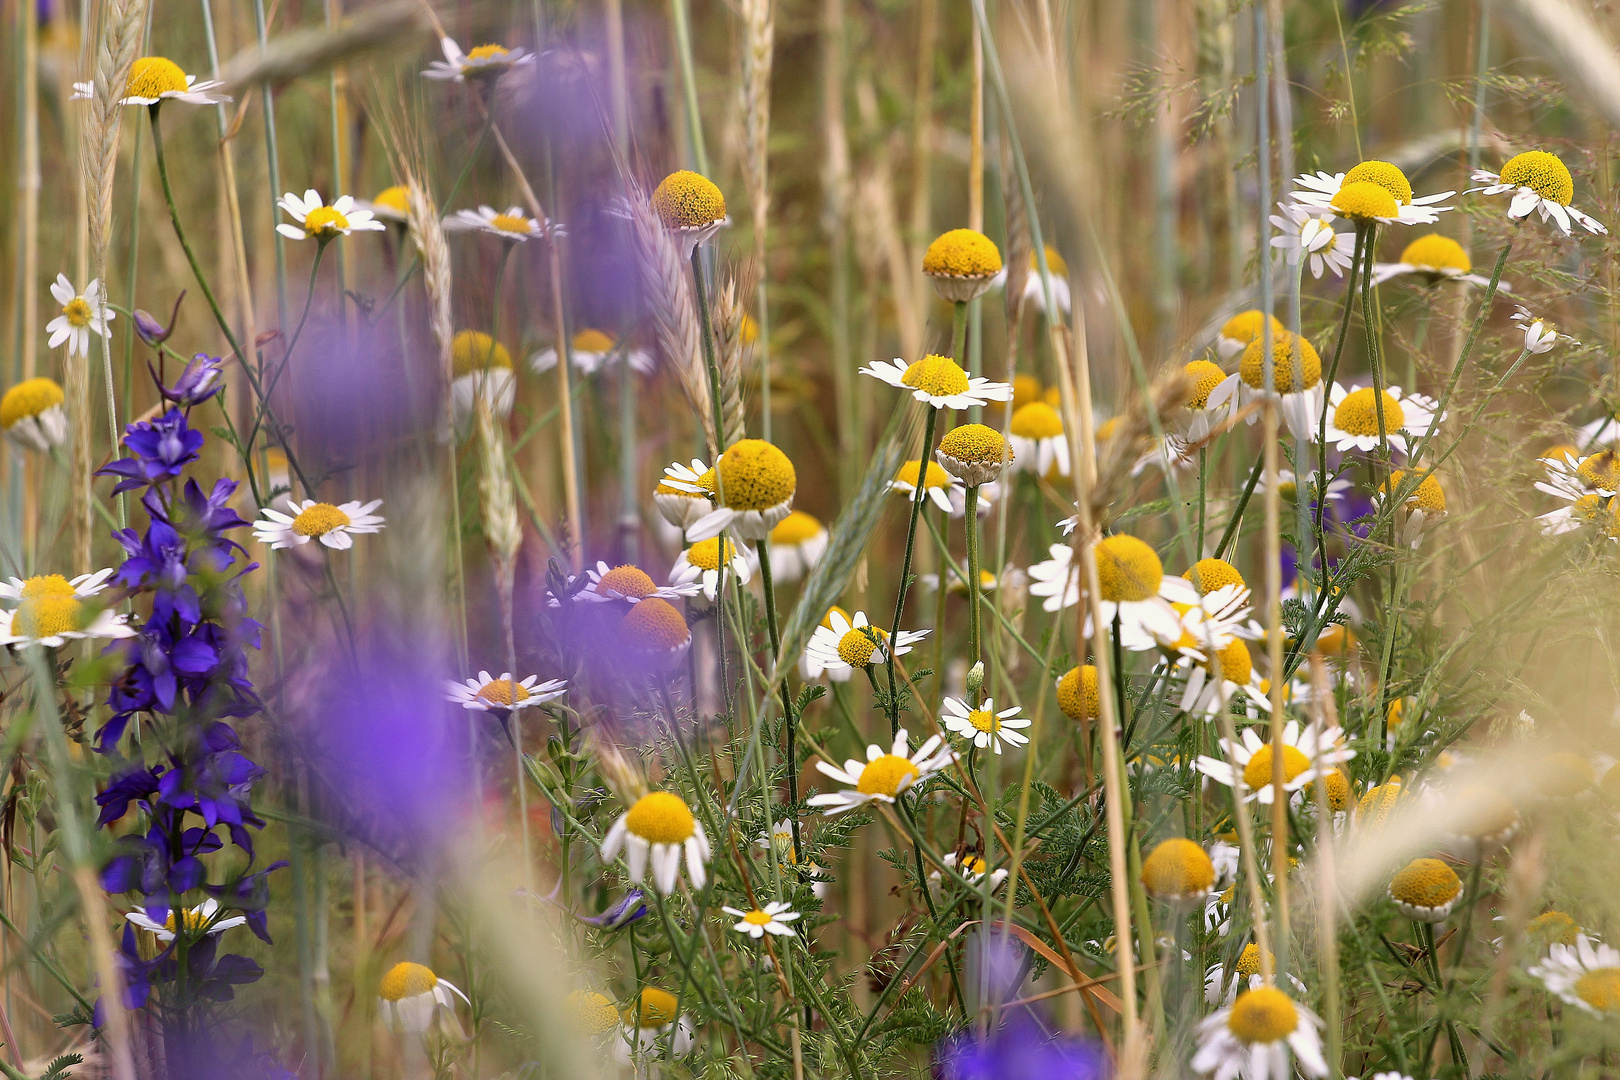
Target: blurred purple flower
(154, 333)
(350, 400)
(200, 381)
(1021, 1049)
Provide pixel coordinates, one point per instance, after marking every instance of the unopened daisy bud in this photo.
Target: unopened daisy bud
(1178, 871)
(975, 679)
(974, 453)
(1425, 890)
(962, 264)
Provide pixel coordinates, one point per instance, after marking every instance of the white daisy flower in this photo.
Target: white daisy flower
(389, 204)
(1136, 592)
(956, 585)
(82, 315)
(192, 920)
(1202, 694)
(1425, 890)
(591, 350)
(842, 644)
(410, 996)
(631, 583)
(1434, 258)
(771, 919)
(1303, 231)
(334, 526)
(813, 665)
(487, 693)
(483, 62)
(1539, 182)
(33, 414)
(1585, 975)
(1225, 857)
(495, 386)
(1251, 1039)
(1585, 485)
(1221, 987)
(1300, 405)
(1288, 485)
(684, 494)
(1423, 507)
(883, 775)
(756, 483)
(52, 610)
(698, 567)
(1326, 191)
(1197, 420)
(1353, 418)
(796, 545)
(153, 79)
(1539, 334)
(971, 867)
(1039, 446)
(1058, 270)
(1243, 328)
(316, 219)
(659, 825)
(512, 225)
(983, 726)
(1305, 754)
(938, 485)
(939, 381)
(652, 1028)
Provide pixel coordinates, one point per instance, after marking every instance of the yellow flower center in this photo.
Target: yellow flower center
(323, 221)
(886, 776)
(654, 1008)
(1365, 200)
(406, 980)
(1588, 507)
(503, 692)
(590, 1012)
(1247, 326)
(1127, 569)
(1248, 961)
(685, 200)
(1425, 883)
(936, 476)
(984, 720)
(77, 311)
(962, 253)
(708, 554)
(46, 585)
(154, 76)
(1263, 1015)
(49, 615)
(1283, 345)
(1077, 693)
(756, 476)
(190, 921)
(1568, 774)
(855, 648)
(1236, 665)
(1385, 175)
(1338, 789)
(1177, 867)
(1202, 377)
(594, 341)
(655, 624)
(1437, 253)
(972, 866)
(1257, 773)
(795, 529)
(661, 817)
(1026, 388)
(1542, 173)
(757, 918)
(487, 52)
(976, 443)
(937, 375)
(28, 399)
(1601, 470)
(1375, 806)
(395, 198)
(474, 350)
(627, 581)
(1600, 989)
(1552, 927)
(1357, 414)
(318, 520)
(1055, 263)
(512, 224)
(1207, 575)
(1428, 497)
(1037, 420)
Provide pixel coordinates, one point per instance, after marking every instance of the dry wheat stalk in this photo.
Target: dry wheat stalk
(728, 324)
(759, 32)
(497, 500)
(428, 233)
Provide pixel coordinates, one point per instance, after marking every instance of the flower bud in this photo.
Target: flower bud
(975, 679)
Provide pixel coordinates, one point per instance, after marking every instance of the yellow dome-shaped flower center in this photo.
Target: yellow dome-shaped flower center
(1248, 961)
(756, 476)
(1338, 789)
(406, 980)
(660, 817)
(1283, 347)
(1202, 377)
(655, 624)
(628, 581)
(1428, 497)
(46, 585)
(1026, 388)
(1600, 470)
(1236, 664)
(318, 520)
(1037, 420)
(1247, 326)
(474, 350)
(855, 648)
(487, 52)
(796, 528)
(1207, 575)
(1425, 883)
(1263, 1015)
(1542, 173)
(708, 554)
(1177, 867)
(191, 921)
(77, 311)
(592, 341)
(886, 776)
(1588, 507)
(1257, 773)
(27, 399)
(47, 616)
(1600, 989)
(1077, 693)
(936, 476)
(396, 198)
(937, 375)
(962, 253)
(512, 223)
(1552, 928)
(1437, 253)
(505, 692)
(1385, 175)
(324, 221)
(757, 918)
(976, 443)
(984, 720)
(154, 76)
(1357, 414)
(1364, 201)
(685, 200)
(591, 1013)
(1567, 774)
(1375, 806)
(1055, 263)
(654, 1008)
(1127, 569)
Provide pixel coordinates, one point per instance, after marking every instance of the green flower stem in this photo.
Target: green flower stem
(1363, 250)
(1230, 535)
(905, 565)
(974, 627)
(787, 698)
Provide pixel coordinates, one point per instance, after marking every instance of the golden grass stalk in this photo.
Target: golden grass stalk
(728, 325)
(394, 28)
(759, 35)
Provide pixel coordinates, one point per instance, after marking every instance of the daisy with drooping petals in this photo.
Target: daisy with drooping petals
(410, 997)
(1585, 974)
(1539, 182)
(1136, 592)
(513, 225)
(691, 208)
(1425, 890)
(82, 315)
(1202, 650)
(480, 371)
(1339, 192)
(1251, 1039)
(684, 494)
(1353, 418)
(1425, 505)
(883, 775)
(975, 454)
(698, 567)
(334, 526)
(971, 867)
(938, 485)
(52, 610)
(191, 921)
(938, 381)
(653, 1028)
(962, 264)
(487, 693)
(1034, 291)
(32, 414)
(156, 79)
(1038, 443)
(1240, 330)
(1249, 761)
(1539, 334)
(1298, 393)
(659, 826)
(756, 486)
(983, 726)
(813, 664)
(1197, 419)
(796, 544)
(1306, 232)
(1586, 485)
(590, 350)
(630, 583)
(483, 62)
(324, 223)
(1434, 258)
(841, 643)
(1245, 974)
(771, 919)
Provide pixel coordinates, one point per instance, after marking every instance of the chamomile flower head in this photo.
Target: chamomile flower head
(335, 526)
(590, 350)
(938, 485)
(1299, 393)
(1038, 443)
(796, 544)
(590, 1013)
(410, 997)
(691, 208)
(757, 483)
(938, 381)
(659, 826)
(962, 264)
(33, 414)
(813, 664)
(974, 454)
(323, 223)
(489, 694)
(1304, 753)
(771, 919)
(1540, 182)
(1550, 928)
(1488, 819)
(631, 584)
(970, 866)
(1034, 291)
(1135, 591)
(1353, 416)
(1540, 335)
(1207, 575)
(1077, 693)
(841, 643)
(1372, 191)
(1425, 890)
(1178, 871)
(983, 726)
(884, 774)
(482, 62)
(82, 314)
(656, 631)
(700, 566)
(1197, 419)
(653, 1027)
(1585, 975)
(511, 224)
(1205, 693)
(1424, 505)
(1433, 258)
(685, 493)
(202, 919)
(1242, 329)
(480, 374)
(1306, 232)
(1288, 487)
(1375, 807)
(391, 204)
(1251, 1039)
(156, 79)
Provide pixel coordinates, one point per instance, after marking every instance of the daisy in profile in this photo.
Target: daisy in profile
(82, 315)
(1585, 975)
(970, 866)
(1425, 890)
(1540, 183)
(511, 225)
(1222, 989)
(410, 997)
(756, 487)
(847, 644)
(1424, 506)
(480, 372)
(698, 567)
(392, 204)
(771, 919)
(1036, 434)
(1432, 259)
(1034, 292)
(1249, 761)
(813, 664)
(983, 726)
(324, 223)
(1539, 335)
(630, 583)
(1297, 392)
(1353, 418)
(201, 919)
(487, 694)
(154, 80)
(1251, 1039)
(483, 62)
(1242, 329)
(939, 381)
(1585, 485)
(660, 827)
(691, 208)
(53, 610)
(32, 414)
(1206, 695)
(684, 495)
(938, 485)
(1304, 231)
(1338, 192)
(962, 264)
(335, 526)
(655, 632)
(796, 544)
(884, 774)
(1178, 872)
(1288, 485)
(1198, 420)
(1135, 591)
(653, 1027)
(591, 350)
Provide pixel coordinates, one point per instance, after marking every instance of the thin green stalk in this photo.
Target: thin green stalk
(787, 698)
(893, 707)
(1230, 535)
(701, 298)
(1361, 252)
(974, 628)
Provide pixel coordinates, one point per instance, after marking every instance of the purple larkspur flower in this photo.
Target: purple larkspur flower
(162, 449)
(201, 380)
(1021, 1049)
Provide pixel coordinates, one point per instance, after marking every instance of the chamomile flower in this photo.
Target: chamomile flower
(1585, 975)
(956, 584)
(970, 866)
(324, 223)
(410, 996)
(691, 208)
(1299, 394)
(191, 920)
(1424, 506)
(1539, 335)
(684, 495)
(52, 610)
(659, 827)
(1374, 808)
(390, 204)
(1433, 258)
(841, 643)
(1178, 872)
(32, 414)
(1077, 693)
(655, 631)
(1288, 484)
(633, 584)
(771, 919)
(487, 693)
(1602, 432)
(884, 774)
(938, 381)
(1353, 418)
(1585, 485)
(698, 567)
(1221, 988)
(483, 62)
(1034, 292)
(511, 225)
(1135, 591)
(1251, 1039)
(155, 79)
(1242, 329)
(1548, 929)
(1425, 890)
(590, 1013)
(1304, 753)
(757, 483)
(983, 726)
(1205, 695)
(938, 485)
(811, 663)
(82, 315)
(480, 371)
(1539, 182)
(334, 526)
(1198, 420)
(1372, 191)
(591, 350)
(963, 265)
(653, 1027)
(974, 453)
(1305, 231)
(796, 544)
(1038, 443)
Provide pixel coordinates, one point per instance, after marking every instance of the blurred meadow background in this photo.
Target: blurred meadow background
(396, 679)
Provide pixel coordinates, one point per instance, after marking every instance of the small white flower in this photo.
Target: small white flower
(698, 567)
(1251, 1039)
(1321, 187)
(685, 494)
(842, 644)
(771, 919)
(1136, 592)
(1541, 183)
(883, 775)
(153, 79)
(495, 386)
(485, 61)
(1221, 987)
(1305, 754)
(795, 546)
(410, 997)
(512, 225)
(1353, 418)
(51, 611)
(33, 414)
(660, 825)
(1539, 334)
(939, 381)
(82, 315)
(487, 693)
(1585, 500)
(633, 584)
(316, 219)
(971, 867)
(334, 526)
(939, 486)
(983, 726)
(201, 917)
(1586, 974)
(1305, 232)
(591, 350)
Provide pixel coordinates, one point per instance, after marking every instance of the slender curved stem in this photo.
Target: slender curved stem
(905, 565)
(1361, 251)
(787, 698)
(286, 356)
(974, 629)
